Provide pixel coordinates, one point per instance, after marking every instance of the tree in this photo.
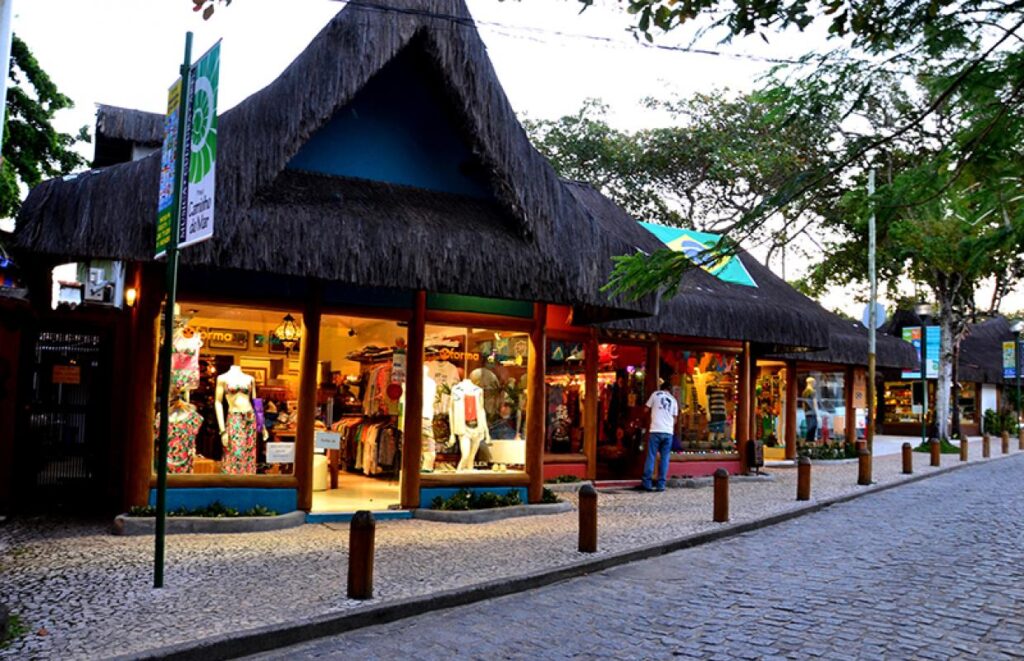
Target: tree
(33, 149)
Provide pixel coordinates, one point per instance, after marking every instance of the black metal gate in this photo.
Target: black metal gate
(63, 452)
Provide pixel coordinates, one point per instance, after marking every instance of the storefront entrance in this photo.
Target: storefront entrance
(62, 456)
(622, 394)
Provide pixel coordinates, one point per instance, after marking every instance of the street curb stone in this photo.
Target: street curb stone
(145, 525)
(263, 639)
(494, 514)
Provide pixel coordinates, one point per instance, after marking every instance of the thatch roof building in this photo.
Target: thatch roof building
(981, 351)
(511, 241)
(848, 345)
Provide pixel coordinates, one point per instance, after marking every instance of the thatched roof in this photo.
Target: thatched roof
(111, 212)
(143, 128)
(774, 315)
(981, 351)
(848, 345)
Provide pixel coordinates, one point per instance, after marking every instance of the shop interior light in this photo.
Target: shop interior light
(130, 295)
(287, 333)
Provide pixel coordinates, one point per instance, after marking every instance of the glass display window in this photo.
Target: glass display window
(234, 388)
(475, 400)
(968, 403)
(565, 392)
(902, 402)
(821, 407)
(705, 383)
(622, 394)
(770, 403)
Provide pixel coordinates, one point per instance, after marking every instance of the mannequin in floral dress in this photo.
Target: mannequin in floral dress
(183, 423)
(185, 361)
(238, 424)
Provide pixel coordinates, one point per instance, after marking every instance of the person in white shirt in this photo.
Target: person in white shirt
(663, 409)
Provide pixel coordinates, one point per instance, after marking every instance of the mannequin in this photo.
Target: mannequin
(717, 414)
(429, 449)
(468, 421)
(238, 427)
(810, 397)
(185, 361)
(183, 423)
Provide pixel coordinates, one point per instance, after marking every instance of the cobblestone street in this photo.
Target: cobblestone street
(930, 571)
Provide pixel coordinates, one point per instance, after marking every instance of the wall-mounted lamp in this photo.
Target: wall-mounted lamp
(130, 294)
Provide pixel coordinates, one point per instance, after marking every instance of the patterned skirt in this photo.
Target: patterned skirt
(239, 456)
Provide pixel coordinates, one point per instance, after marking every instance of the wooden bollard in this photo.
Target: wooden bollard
(936, 451)
(588, 519)
(986, 445)
(803, 478)
(863, 467)
(360, 555)
(908, 459)
(963, 449)
(1006, 442)
(1020, 438)
(721, 513)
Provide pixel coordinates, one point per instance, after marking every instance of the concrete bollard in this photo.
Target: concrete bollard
(908, 459)
(360, 555)
(803, 479)
(588, 519)
(986, 445)
(936, 451)
(721, 510)
(963, 448)
(1006, 442)
(863, 467)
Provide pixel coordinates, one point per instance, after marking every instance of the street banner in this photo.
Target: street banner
(164, 208)
(933, 335)
(1009, 361)
(199, 161)
(912, 334)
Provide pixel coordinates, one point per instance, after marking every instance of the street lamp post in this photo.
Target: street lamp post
(924, 310)
(1016, 329)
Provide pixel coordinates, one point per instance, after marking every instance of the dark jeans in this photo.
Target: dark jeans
(658, 443)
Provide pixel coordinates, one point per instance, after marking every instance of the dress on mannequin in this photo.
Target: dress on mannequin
(185, 360)
(468, 421)
(238, 425)
(810, 397)
(183, 423)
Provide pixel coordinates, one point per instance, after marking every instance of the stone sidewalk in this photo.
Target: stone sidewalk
(83, 593)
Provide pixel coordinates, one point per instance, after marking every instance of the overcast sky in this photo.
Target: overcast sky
(549, 57)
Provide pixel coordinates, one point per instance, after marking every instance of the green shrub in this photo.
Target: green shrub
(945, 447)
(464, 499)
(993, 422)
(215, 510)
(548, 496)
(564, 479)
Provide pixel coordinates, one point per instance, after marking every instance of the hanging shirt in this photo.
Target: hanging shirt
(664, 410)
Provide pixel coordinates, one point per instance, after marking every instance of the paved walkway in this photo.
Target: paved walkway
(908, 573)
(83, 593)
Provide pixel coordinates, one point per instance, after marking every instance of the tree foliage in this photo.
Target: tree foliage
(33, 149)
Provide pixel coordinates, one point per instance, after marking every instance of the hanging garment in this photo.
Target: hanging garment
(239, 456)
(181, 440)
(185, 362)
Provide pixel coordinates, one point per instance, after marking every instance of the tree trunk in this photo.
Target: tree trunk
(945, 380)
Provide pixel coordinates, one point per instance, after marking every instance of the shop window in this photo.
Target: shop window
(770, 404)
(564, 395)
(474, 400)
(622, 420)
(234, 391)
(821, 408)
(968, 403)
(903, 401)
(705, 383)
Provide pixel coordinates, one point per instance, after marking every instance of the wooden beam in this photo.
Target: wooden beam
(792, 393)
(309, 355)
(536, 400)
(214, 480)
(590, 421)
(478, 320)
(143, 347)
(412, 445)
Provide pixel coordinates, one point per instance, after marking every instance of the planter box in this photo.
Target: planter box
(177, 525)
(494, 514)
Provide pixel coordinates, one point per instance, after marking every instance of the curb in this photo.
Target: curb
(146, 525)
(494, 514)
(277, 636)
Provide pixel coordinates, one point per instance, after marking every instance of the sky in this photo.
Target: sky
(548, 56)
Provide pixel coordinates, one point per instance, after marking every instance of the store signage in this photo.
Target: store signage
(450, 354)
(1009, 361)
(860, 389)
(70, 375)
(326, 440)
(224, 338)
(930, 346)
(912, 334)
(198, 160)
(280, 453)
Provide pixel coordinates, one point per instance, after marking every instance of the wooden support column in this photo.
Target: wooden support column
(412, 444)
(652, 368)
(143, 347)
(535, 408)
(590, 421)
(851, 412)
(792, 393)
(309, 355)
(12, 324)
(743, 415)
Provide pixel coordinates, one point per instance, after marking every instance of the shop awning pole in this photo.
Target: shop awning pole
(172, 295)
(869, 433)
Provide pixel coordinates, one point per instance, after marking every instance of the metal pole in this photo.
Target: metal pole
(172, 294)
(869, 432)
(924, 387)
(6, 37)
(1016, 371)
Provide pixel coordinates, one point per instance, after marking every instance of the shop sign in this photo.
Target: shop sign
(860, 389)
(398, 366)
(451, 354)
(224, 338)
(168, 157)
(280, 453)
(930, 346)
(70, 375)
(326, 440)
(1009, 361)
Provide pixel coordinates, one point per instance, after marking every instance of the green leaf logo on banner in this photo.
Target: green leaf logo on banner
(204, 117)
